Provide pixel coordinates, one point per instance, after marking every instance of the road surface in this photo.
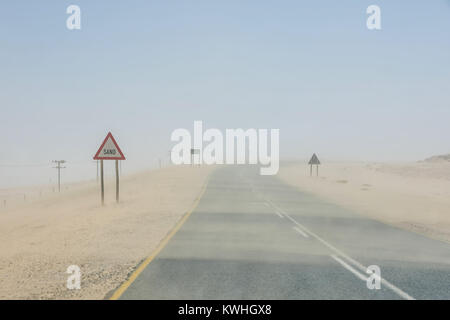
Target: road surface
(254, 237)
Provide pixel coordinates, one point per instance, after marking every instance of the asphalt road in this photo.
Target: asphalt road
(254, 237)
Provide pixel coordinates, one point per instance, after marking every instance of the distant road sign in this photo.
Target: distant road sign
(314, 160)
(109, 150)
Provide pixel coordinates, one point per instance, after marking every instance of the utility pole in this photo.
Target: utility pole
(58, 166)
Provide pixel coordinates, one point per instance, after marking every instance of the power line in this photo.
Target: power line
(20, 165)
(23, 165)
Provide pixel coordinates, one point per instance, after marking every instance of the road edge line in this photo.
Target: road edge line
(124, 286)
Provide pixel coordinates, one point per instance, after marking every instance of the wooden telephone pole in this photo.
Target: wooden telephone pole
(58, 166)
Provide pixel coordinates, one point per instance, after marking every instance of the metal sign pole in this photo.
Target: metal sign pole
(117, 181)
(102, 182)
(310, 170)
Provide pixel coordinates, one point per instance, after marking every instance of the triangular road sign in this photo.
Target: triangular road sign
(314, 160)
(109, 150)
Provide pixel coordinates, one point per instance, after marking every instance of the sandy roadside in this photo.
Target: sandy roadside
(414, 196)
(40, 239)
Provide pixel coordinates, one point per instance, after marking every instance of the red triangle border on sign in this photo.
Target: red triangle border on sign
(97, 157)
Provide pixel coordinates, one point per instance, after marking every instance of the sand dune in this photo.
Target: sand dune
(414, 196)
(40, 238)
(439, 158)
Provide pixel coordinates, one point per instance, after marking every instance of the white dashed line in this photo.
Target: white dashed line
(357, 264)
(349, 268)
(279, 214)
(301, 232)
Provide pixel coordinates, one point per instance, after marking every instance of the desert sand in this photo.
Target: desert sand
(41, 237)
(414, 196)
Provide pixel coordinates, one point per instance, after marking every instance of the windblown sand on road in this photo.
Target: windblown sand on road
(40, 239)
(413, 196)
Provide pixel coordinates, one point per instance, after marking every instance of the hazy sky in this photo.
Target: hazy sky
(144, 68)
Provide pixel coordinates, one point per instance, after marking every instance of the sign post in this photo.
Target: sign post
(102, 182)
(314, 161)
(109, 150)
(117, 181)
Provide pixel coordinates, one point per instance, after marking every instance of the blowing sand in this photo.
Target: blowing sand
(40, 239)
(414, 196)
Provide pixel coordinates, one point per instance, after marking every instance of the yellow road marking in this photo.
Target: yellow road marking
(163, 243)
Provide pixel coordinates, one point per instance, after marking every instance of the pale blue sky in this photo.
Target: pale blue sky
(144, 68)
